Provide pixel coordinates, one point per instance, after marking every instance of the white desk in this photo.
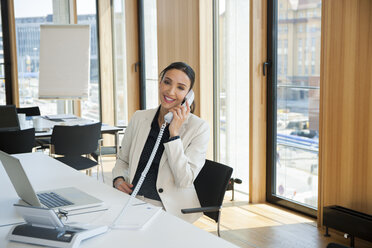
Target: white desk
(45, 173)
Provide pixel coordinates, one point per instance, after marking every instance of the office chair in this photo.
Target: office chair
(35, 111)
(30, 111)
(334, 245)
(8, 118)
(74, 141)
(20, 141)
(105, 150)
(210, 186)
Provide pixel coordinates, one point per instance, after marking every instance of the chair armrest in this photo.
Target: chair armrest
(198, 210)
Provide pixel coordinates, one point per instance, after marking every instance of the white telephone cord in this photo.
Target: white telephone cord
(114, 225)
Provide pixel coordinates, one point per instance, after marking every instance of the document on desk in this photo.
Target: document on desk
(62, 116)
(138, 216)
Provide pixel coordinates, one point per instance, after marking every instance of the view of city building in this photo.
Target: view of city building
(28, 48)
(298, 77)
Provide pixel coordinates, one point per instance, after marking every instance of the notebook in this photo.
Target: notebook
(67, 198)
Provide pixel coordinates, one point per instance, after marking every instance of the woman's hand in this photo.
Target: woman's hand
(122, 185)
(180, 114)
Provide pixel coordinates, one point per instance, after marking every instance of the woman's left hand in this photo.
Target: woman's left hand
(180, 114)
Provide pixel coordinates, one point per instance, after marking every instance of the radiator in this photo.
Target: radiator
(353, 223)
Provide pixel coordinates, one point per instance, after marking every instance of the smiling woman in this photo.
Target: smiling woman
(181, 155)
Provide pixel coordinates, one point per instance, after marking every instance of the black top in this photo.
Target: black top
(148, 188)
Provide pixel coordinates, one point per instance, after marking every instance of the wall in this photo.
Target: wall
(257, 102)
(345, 155)
(185, 34)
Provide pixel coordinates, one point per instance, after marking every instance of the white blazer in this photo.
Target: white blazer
(180, 163)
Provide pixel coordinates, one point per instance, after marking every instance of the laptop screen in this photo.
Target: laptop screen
(8, 118)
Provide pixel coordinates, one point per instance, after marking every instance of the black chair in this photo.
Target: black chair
(334, 245)
(20, 141)
(8, 118)
(43, 143)
(74, 141)
(210, 185)
(29, 111)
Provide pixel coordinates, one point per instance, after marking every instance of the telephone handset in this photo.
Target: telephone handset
(189, 98)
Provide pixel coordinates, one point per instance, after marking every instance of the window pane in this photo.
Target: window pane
(233, 88)
(87, 14)
(298, 101)
(2, 71)
(28, 17)
(151, 53)
(120, 65)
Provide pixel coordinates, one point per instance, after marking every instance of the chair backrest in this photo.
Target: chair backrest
(8, 118)
(20, 141)
(211, 184)
(76, 140)
(30, 111)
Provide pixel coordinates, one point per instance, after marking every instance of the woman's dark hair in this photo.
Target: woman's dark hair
(187, 70)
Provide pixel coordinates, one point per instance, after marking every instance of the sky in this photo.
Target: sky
(33, 8)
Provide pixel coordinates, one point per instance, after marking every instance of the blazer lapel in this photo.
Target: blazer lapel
(143, 132)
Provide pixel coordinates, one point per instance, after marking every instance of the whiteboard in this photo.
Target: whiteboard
(64, 61)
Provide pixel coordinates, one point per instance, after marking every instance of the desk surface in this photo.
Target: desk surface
(46, 173)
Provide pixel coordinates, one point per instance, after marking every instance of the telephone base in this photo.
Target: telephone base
(65, 237)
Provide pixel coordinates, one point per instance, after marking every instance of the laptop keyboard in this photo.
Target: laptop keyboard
(53, 200)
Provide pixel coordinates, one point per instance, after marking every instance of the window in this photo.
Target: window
(28, 17)
(293, 112)
(151, 53)
(87, 14)
(119, 62)
(2, 69)
(299, 28)
(232, 87)
(285, 46)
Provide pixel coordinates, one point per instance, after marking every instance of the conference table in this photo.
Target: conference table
(46, 124)
(44, 172)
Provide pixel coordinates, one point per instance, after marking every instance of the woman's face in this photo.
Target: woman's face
(173, 88)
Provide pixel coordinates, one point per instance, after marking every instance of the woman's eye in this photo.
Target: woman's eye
(181, 88)
(166, 82)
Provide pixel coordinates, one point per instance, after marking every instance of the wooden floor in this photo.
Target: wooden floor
(261, 225)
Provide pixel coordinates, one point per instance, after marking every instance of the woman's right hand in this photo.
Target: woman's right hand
(122, 185)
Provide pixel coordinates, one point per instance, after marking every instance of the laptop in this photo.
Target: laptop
(66, 198)
(8, 118)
